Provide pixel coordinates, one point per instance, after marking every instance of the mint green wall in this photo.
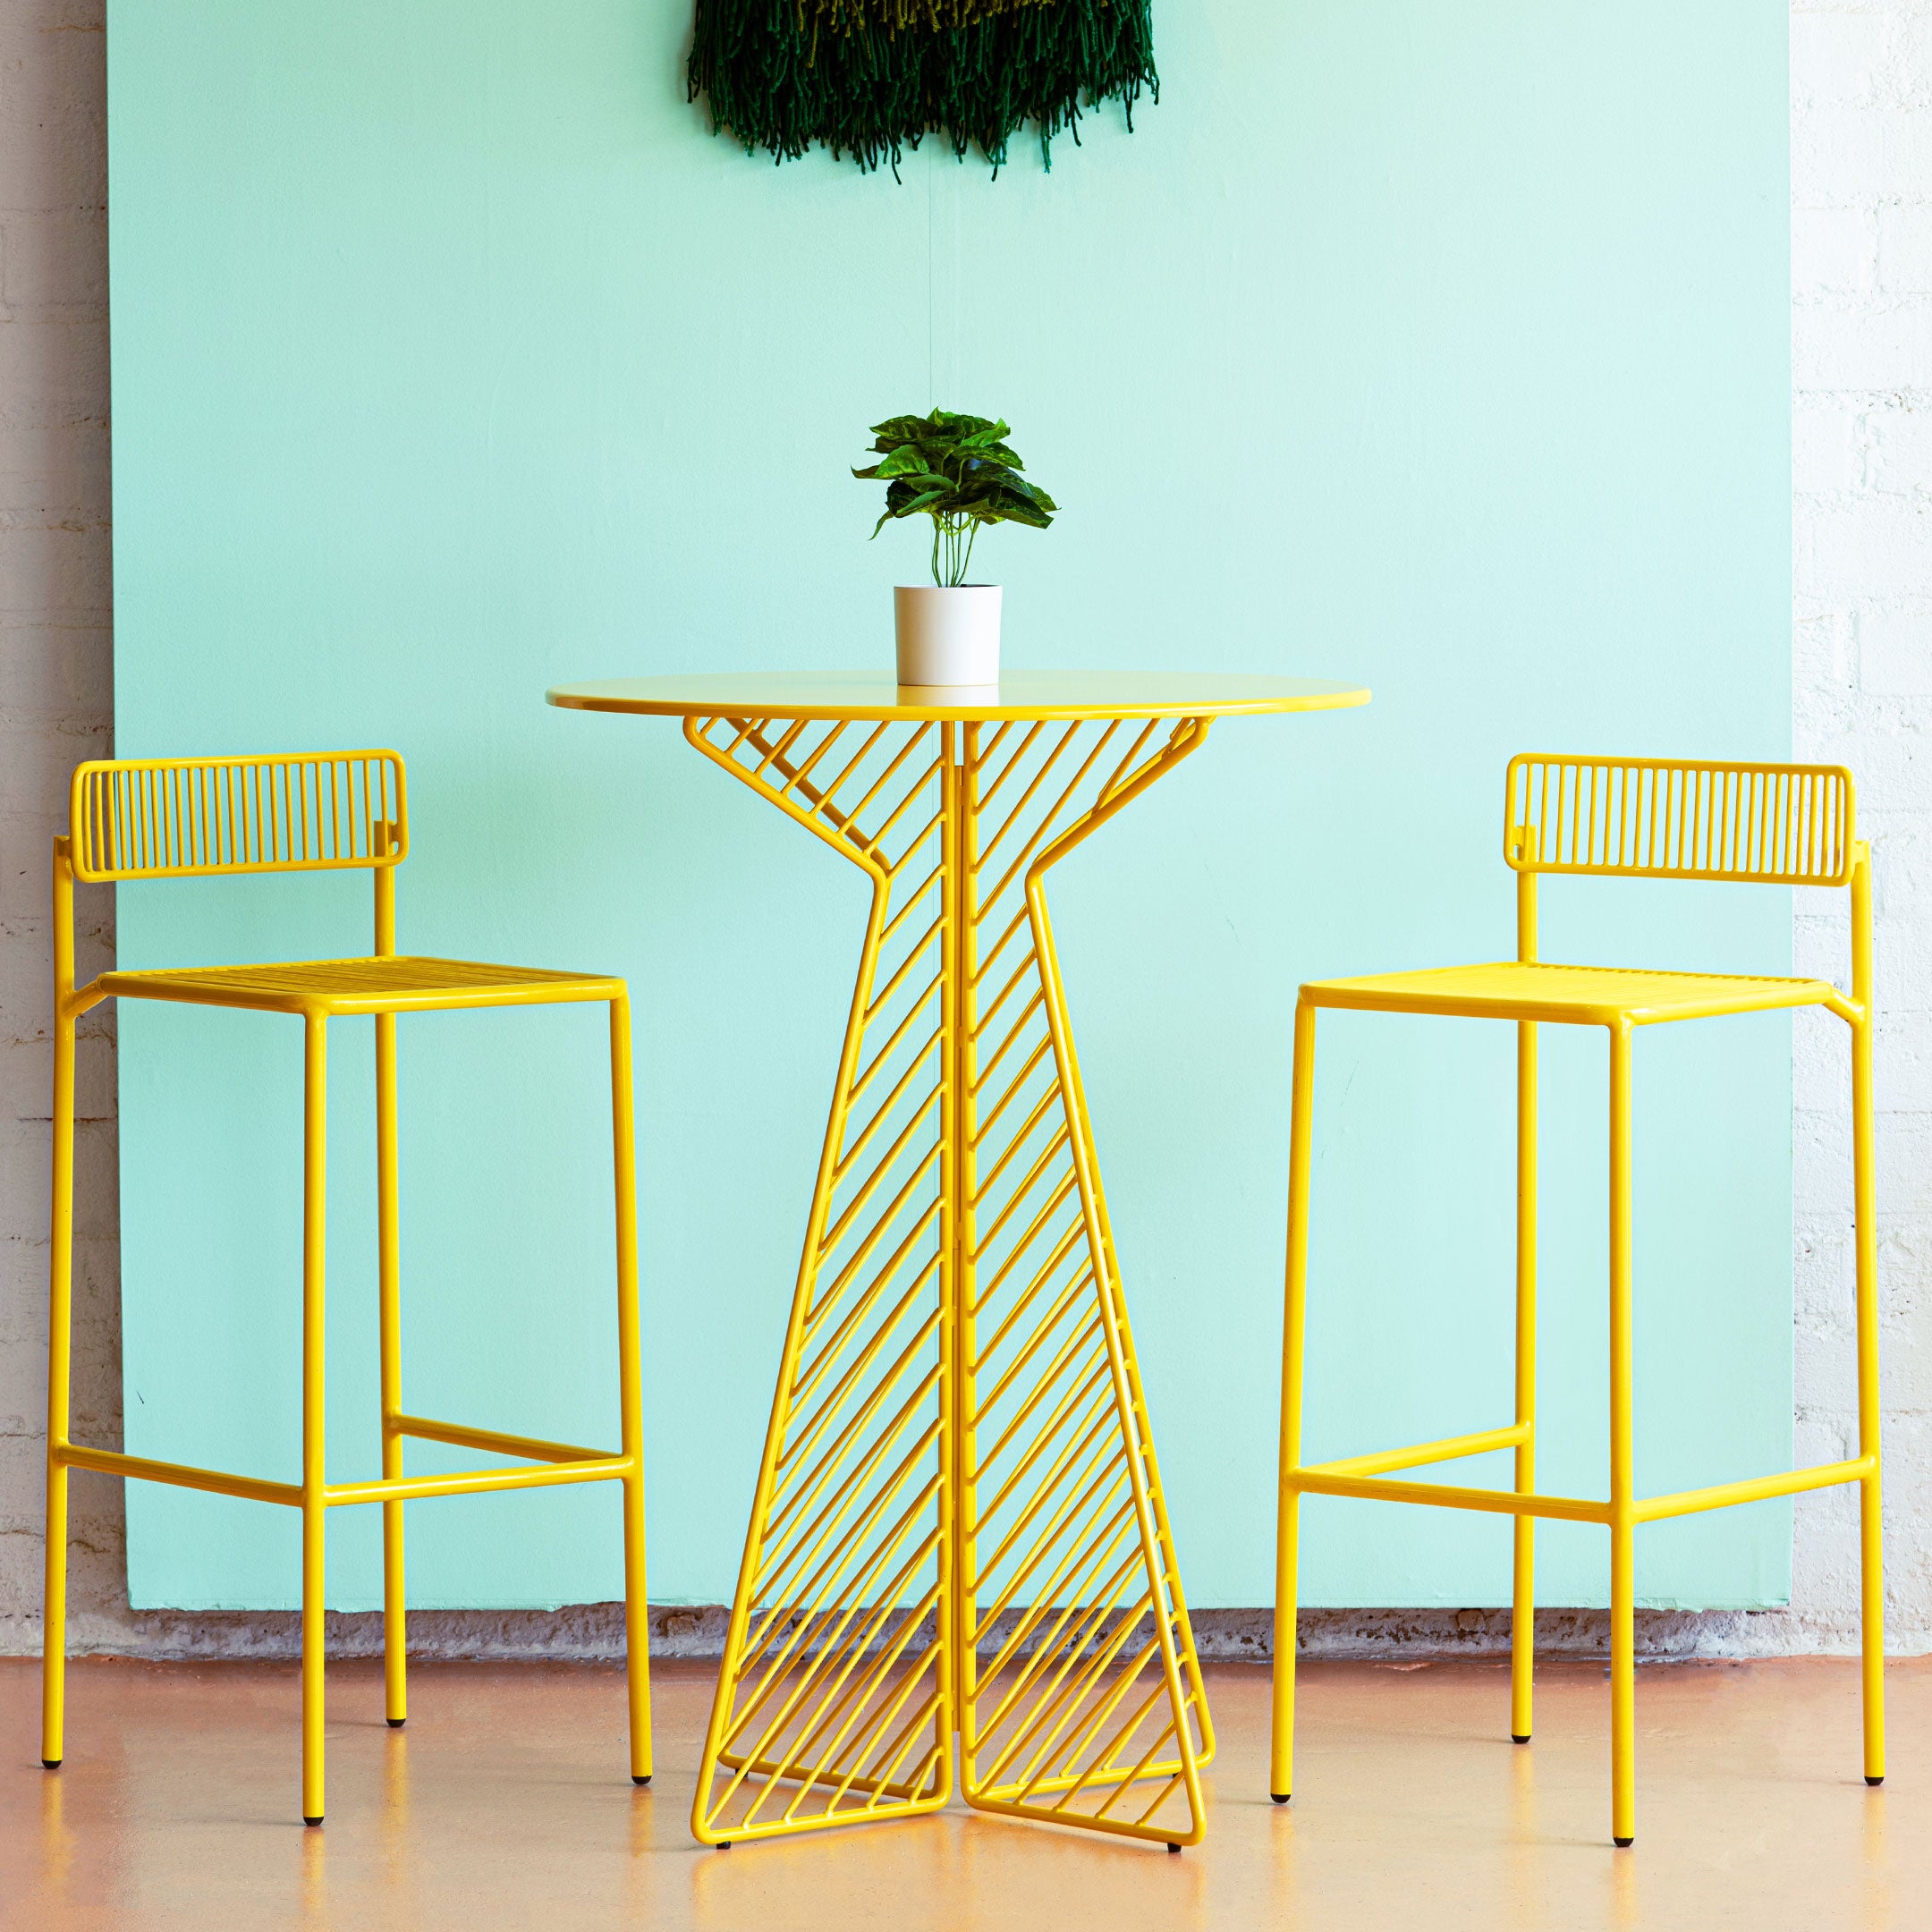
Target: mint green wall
(1443, 349)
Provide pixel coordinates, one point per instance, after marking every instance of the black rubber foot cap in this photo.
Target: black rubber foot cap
(1878, 1780)
(725, 1846)
(1174, 1851)
(1523, 1738)
(396, 1724)
(54, 1764)
(635, 1779)
(1622, 1844)
(1279, 1797)
(311, 1821)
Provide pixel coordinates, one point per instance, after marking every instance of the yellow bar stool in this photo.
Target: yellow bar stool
(1777, 824)
(161, 818)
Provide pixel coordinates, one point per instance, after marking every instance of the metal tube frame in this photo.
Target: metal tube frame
(1623, 1511)
(957, 1529)
(315, 1495)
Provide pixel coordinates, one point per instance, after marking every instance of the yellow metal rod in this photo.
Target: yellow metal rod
(1087, 1821)
(497, 1441)
(630, 1395)
(1447, 1496)
(958, 1508)
(182, 1475)
(389, 1302)
(60, 1323)
(315, 1472)
(1522, 1588)
(1621, 1515)
(1288, 1498)
(473, 1482)
(1871, 1547)
(1450, 1449)
(1753, 1489)
(806, 1777)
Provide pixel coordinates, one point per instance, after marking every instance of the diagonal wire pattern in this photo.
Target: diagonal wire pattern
(959, 1524)
(835, 1703)
(1081, 1702)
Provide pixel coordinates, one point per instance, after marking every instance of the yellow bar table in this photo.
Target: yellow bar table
(958, 1526)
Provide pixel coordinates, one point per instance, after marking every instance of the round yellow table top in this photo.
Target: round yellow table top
(1019, 694)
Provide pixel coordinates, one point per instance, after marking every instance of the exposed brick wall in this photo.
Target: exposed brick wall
(56, 708)
(1861, 229)
(1861, 412)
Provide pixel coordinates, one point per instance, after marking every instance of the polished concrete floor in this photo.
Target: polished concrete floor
(505, 1804)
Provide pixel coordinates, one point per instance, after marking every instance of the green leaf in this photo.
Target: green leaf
(956, 469)
(899, 429)
(907, 460)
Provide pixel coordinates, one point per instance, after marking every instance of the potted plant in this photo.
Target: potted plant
(958, 471)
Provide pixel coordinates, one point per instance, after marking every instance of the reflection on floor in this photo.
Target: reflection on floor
(506, 1804)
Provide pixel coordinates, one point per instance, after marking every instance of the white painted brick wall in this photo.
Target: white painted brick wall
(1861, 405)
(1862, 276)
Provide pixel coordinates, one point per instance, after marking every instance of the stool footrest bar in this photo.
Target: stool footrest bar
(182, 1475)
(496, 1442)
(1352, 1480)
(1450, 1449)
(473, 1482)
(1755, 1489)
(1447, 1496)
(802, 1775)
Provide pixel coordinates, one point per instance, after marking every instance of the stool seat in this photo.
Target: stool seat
(391, 984)
(1575, 996)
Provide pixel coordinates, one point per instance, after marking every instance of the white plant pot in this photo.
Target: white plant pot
(948, 637)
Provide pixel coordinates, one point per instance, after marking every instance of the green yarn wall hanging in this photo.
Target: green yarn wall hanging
(872, 78)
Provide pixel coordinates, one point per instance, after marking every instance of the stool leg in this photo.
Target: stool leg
(1622, 1533)
(637, 1627)
(1871, 1552)
(389, 1296)
(314, 1509)
(1522, 1611)
(1288, 1521)
(60, 1338)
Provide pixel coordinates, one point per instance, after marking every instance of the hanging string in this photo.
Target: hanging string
(872, 77)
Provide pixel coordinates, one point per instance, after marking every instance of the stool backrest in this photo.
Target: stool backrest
(1773, 825)
(150, 818)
